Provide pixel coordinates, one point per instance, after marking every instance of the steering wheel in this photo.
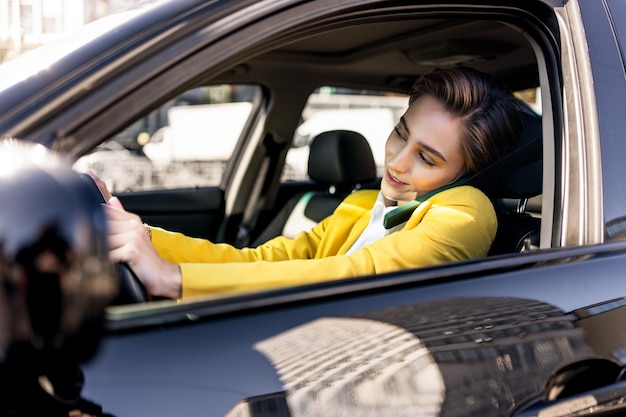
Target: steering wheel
(130, 289)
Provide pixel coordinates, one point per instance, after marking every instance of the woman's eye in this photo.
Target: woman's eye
(426, 160)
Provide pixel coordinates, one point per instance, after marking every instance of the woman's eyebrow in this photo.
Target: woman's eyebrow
(423, 145)
(433, 151)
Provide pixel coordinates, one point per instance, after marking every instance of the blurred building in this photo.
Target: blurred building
(25, 24)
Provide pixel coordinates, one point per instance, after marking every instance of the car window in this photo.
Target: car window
(186, 142)
(370, 113)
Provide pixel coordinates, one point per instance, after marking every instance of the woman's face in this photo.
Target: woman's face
(423, 152)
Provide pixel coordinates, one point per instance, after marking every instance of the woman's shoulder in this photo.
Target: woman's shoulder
(463, 195)
(362, 198)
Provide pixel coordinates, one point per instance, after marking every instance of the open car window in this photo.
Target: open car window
(192, 141)
(371, 113)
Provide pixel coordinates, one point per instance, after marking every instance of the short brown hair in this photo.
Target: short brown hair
(491, 116)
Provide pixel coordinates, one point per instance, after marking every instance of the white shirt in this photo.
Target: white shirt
(375, 229)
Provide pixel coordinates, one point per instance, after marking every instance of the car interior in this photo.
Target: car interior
(381, 52)
(343, 162)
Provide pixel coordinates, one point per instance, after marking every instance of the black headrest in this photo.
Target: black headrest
(341, 157)
(518, 174)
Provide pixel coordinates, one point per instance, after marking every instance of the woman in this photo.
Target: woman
(458, 122)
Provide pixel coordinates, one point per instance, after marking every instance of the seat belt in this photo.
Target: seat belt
(251, 210)
(403, 213)
(257, 199)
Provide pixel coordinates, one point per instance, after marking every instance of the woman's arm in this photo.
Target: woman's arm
(453, 226)
(155, 257)
(129, 242)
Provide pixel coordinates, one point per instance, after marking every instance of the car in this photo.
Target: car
(533, 329)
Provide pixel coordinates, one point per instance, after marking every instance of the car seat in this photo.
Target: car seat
(342, 160)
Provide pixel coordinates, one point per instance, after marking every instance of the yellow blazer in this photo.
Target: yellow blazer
(456, 224)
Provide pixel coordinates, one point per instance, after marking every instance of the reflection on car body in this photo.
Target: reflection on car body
(456, 356)
(555, 347)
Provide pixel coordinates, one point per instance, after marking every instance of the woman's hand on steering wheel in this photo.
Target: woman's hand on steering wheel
(130, 289)
(139, 266)
(130, 243)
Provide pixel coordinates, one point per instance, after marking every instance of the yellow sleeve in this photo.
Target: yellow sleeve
(456, 224)
(179, 248)
(327, 237)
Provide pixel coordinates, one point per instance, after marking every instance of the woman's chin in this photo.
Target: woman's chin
(397, 199)
(392, 193)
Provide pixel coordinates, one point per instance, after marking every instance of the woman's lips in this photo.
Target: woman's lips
(393, 181)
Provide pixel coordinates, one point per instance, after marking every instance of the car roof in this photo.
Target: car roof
(392, 52)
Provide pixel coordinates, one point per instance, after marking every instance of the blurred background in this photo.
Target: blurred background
(26, 24)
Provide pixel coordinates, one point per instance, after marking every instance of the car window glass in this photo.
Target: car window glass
(186, 142)
(370, 113)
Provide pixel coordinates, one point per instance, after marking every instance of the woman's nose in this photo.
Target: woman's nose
(401, 160)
